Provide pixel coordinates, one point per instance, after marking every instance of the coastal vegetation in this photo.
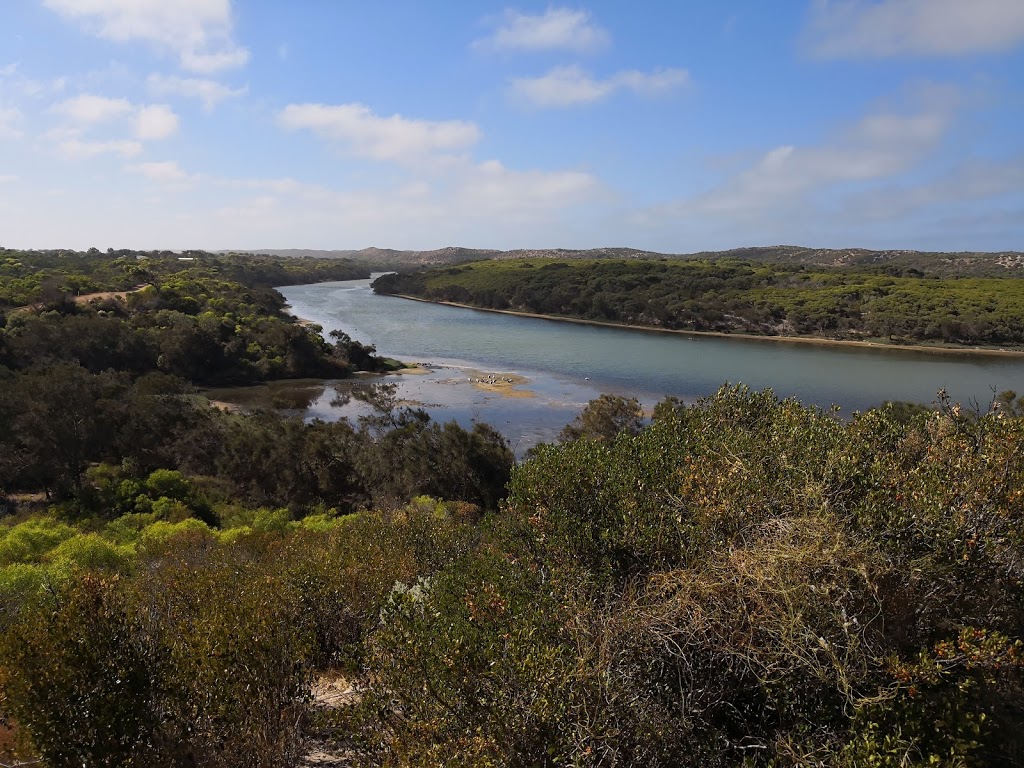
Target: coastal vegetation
(952, 264)
(743, 580)
(883, 303)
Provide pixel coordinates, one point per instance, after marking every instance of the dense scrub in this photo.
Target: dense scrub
(27, 277)
(211, 319)
(91, 441)
(723, 295)
(746, 581)
(112, 381)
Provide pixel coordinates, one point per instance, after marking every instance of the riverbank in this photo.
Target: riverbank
(808, 340)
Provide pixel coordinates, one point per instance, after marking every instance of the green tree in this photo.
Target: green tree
(605, 418)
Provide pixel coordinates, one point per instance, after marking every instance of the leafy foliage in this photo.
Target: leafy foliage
(747, 581)
(728, 296)
(742, 581)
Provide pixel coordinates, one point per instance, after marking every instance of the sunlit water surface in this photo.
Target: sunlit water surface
(569, 364)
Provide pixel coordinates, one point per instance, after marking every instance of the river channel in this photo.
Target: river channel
(567, 364)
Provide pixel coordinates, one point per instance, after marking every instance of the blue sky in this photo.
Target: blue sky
(676, 126)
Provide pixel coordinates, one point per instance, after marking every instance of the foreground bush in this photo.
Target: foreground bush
(203, 650)
(744, 582)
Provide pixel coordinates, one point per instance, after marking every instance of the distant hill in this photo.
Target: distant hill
(972, 263)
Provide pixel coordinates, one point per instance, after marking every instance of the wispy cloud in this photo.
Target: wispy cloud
(78, 149)
(87, 108)
(209, 92)
(168, 171)
(366, 134)
(10, 119)
(470, 199)
(148, 121)
(877, 148)
(972, 179)
(199, 32)
(856, 28)
(572, 86)
(555, 29)
(156, 121)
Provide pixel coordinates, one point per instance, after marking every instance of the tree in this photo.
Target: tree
(68, 417)
(604, 419)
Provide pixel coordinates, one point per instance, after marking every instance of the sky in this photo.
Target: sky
(670, 125)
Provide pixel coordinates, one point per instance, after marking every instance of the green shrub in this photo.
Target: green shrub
(27, 542)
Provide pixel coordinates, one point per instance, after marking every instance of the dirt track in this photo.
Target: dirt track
(85, 298)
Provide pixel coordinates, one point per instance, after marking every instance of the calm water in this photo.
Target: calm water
(569, 364)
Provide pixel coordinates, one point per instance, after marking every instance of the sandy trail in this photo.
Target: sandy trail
(85, 298)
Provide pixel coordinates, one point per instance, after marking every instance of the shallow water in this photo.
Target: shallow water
(569, 364)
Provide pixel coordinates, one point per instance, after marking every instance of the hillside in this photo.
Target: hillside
(854, 303)
(964, 263)
(738, 581)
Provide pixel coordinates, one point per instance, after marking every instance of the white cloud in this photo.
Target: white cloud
(571, 86)
(974, 179)
(16, 83)
(471, 202)
(10, 118)
(198, 31)
(88, 108)
(7, 178)
(148, 121)
(556, 29)
(852, 28)
(491, 187)
(166, 171)
(78, 149)
(875, 149)
(209, 92)
(208, 63)
(366, 134)
(156, 121)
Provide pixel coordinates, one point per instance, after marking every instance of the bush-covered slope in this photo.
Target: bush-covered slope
(744, 582)
(722, 295)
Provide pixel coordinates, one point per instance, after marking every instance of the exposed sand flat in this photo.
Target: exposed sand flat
(504, 384)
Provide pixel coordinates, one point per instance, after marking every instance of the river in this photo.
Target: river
(568, 364)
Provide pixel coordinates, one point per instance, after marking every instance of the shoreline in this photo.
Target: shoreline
(810, 340)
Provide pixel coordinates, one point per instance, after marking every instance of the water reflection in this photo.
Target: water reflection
(564, 366)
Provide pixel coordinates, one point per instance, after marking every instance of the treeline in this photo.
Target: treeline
(90, 441)
(28, 277)
(730, 296)
(112, 381)
(745, 581)
(214, 319)
(113, 467)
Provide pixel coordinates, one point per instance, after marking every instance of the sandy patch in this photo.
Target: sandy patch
(85, 298)
(504, 384)
(329, 692)
(227, 407)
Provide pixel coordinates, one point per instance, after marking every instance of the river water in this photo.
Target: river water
(568, 364)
